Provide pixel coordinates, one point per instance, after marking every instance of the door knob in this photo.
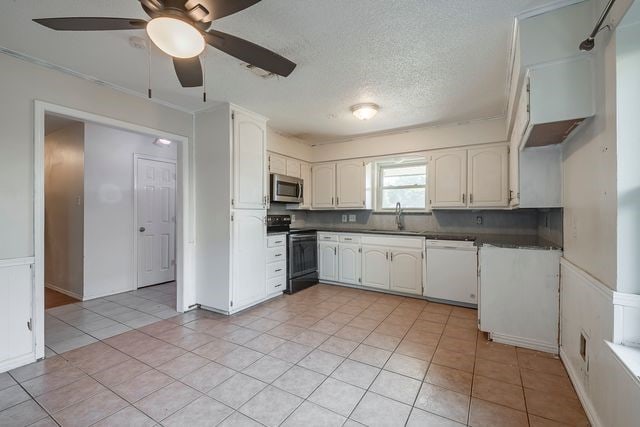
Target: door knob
(142, 229)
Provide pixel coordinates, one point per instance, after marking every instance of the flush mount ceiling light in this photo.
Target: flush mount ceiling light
(176, 37)
(162, 142)
(365, 111)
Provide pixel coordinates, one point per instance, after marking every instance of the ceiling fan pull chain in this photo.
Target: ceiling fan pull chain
(149, 67)
(204, 77)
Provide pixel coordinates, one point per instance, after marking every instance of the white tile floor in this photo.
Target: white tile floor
(75, 325)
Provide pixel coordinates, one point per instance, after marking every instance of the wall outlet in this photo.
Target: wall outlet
(293, 218)
(352, 218)
(344, 218)
(479, 220)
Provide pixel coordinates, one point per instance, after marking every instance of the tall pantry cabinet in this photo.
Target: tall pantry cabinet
(231, 202)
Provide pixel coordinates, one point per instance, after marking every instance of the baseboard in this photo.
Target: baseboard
(582, 393)
(16, 362)
(524, 342)
(64, 291)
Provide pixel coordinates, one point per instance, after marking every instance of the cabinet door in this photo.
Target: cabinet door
(488, 177)
(519, 128)
(249, 150)
(375, 267)
(349, 264)
(448, 179)
(350, 190)
(328, 261)
(249, 257)
(293, 168)
(323, 180)
(305, 175)
(406, 271)
(277, 164)
(16, 287)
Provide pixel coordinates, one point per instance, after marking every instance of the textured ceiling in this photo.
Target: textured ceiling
(422, 61)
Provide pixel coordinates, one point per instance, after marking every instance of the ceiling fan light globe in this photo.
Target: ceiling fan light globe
(175, 37)
(365, 111)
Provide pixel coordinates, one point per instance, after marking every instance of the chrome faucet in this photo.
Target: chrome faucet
(399, 223)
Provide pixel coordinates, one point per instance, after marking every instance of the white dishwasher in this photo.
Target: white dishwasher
(452, 271)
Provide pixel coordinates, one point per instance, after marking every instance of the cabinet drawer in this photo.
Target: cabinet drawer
(324, 237)
(349, 239)
(277, 254)
(276, 269)
(277, 240)
(394, 241)
(276, 285)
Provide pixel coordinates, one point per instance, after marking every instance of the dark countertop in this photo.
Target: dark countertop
(520, 241)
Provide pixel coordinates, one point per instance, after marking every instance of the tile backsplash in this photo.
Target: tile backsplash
(544, 223)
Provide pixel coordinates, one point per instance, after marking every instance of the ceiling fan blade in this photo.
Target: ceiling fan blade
(189, 71)
(250, 53)
(222, 8)
(91, 24)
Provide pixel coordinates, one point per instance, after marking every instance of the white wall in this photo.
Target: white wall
(429, 138)
(64, 207)
(20, 85)
(108, 216)
(628, 128)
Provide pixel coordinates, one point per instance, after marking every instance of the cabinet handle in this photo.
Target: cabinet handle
(464, 199)
(278, 242)
(391, 256)
(332, 201)
(277, 286)
(278, 255)
(471, 198)
(348, 238)
(278, 270)
(335, 251)
(387, 255)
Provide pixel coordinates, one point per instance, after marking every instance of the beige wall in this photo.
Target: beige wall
(288, 146)
(64, 207)
(20, 85)
(590, 190)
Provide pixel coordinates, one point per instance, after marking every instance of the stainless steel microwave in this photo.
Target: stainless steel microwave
(286, 189)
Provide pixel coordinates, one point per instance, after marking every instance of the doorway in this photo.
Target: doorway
(170, 275)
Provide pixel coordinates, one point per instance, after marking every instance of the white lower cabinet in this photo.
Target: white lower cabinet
(349, 270)
(392, 263)
(406, 271)
(328, 261)
(16, 335)
(249, 257)
(375, 267)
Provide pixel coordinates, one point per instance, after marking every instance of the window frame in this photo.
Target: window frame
(397, 164)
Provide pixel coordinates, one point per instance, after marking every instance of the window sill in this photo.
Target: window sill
(629, 357)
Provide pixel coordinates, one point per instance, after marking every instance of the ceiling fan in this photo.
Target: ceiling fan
(180, 28)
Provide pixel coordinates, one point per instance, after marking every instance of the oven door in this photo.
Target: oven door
(303, 254)
(286, 189)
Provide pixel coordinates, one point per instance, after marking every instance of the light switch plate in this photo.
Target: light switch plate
(344, 218)
(352, 218)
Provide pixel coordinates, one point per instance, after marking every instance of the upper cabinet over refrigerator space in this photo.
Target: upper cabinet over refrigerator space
(249, 151)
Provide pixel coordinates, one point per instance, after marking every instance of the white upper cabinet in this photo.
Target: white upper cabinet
(249, 257)
(328, 261)
(277, 164)
(305, 175)
(293, 168)
(488, 177)
(406, 271)
(448, 179)
(375, 267)
(323, 178)
(249, 152)
(350, 185)
(349, 264)
(473, 178)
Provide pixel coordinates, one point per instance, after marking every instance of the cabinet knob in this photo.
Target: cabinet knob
(142, 229)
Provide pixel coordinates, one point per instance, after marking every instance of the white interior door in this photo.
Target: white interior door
(156, 205)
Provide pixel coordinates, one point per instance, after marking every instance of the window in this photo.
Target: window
(405, 183)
